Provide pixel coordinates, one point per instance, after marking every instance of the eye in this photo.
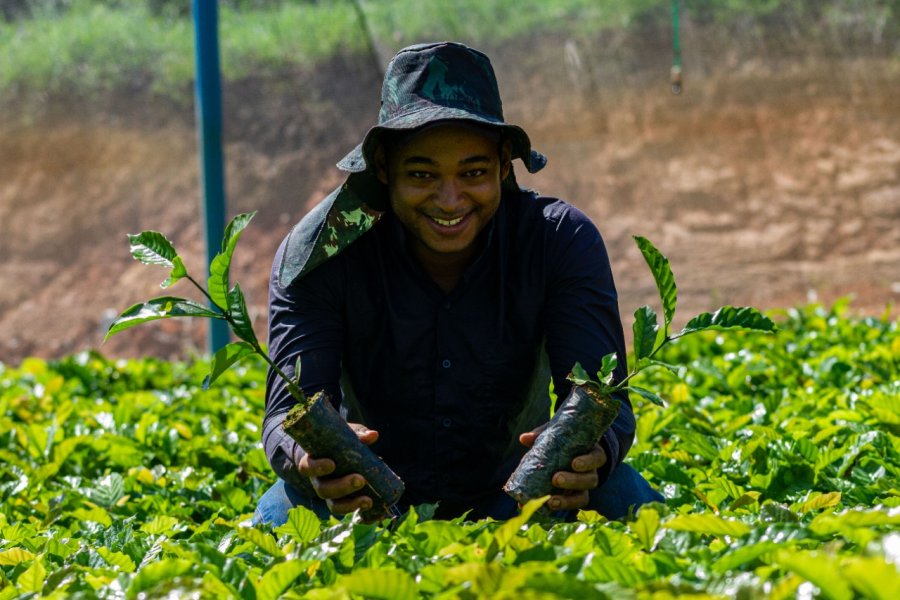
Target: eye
(475, 172)
(419, 174)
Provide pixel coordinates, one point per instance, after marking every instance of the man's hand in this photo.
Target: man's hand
(339, 493)
(575, 484)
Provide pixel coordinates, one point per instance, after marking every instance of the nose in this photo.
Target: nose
(449, 196)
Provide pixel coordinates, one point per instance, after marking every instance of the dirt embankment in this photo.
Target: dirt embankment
(764, 184)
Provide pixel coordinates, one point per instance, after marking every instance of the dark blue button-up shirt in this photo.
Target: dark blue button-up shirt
(450, 380)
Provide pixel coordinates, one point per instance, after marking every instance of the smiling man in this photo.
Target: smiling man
(434, 299)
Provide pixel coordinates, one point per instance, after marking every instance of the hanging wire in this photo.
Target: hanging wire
(675, 71)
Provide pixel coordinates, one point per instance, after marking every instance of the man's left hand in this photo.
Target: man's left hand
(575, 484)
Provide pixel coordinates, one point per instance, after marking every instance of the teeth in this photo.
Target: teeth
(446, 223)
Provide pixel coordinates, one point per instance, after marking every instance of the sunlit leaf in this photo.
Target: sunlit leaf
(14, 556)
(384, 584)
(279, 578)
(662, 275)
(263, 540)
(873, 577)
(152, 248)
(151, 575)
(32, 579)
(645, 526)
(117, 559)
(159, 308)
(707, 524)
(302, 524)
(218, 283)
(817, 568)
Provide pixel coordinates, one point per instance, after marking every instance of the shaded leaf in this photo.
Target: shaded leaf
(578, 375)
(222, 360)
(645, 330)
(237, 310)
(159, 308)
(155, 573)
(647, 395)
(263, 540)
(178, 272)
(662, 275)
(607, 365)
(645, 526)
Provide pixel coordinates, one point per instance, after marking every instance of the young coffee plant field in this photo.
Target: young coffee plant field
(779, 456)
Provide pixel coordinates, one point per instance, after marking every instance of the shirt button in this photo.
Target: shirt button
(446, 422)
(446, 364)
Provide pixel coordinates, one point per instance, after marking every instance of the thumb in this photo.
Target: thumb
(366, 436)
(527, 439)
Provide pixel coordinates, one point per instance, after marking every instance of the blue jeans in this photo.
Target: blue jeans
(624, 491)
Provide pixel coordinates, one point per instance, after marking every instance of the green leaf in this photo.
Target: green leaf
(32, 579)
(237, 310)
(279, 578)
(508, 530)
(707, 524)
(117, 559)
(152, 574)
(152, 248)
(647, 395)
(219, 267)
(873, 578)
(645, 526)
(578, 375)
(161, 524)
(302, 524)
(383, 583)
(819, 569)
(662, 274)
(14, 556)
(645, 329)
(607, 366)
(818, 500)
(730, 317)
(226, 356)
(263, 540)
(165, 307)
(178, 272)
(108, 490)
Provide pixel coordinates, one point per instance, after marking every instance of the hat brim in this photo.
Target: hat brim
(358, 159)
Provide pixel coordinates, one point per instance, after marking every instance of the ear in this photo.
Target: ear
(380, 160)
(505, 159)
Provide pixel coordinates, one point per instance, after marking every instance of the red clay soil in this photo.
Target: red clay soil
(764, 186)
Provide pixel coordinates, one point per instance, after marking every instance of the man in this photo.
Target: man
(433, 298)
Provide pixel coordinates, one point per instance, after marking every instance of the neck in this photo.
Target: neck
(444, 269)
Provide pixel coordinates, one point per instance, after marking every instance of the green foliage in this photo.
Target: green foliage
(779, 459)
(90, 46)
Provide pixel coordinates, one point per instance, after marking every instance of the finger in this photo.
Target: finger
(315, 467)
(343, 506)
(366, 436)
(338, 487)
(566, 480)
(591, 461)
(568, 501)
(527, 439)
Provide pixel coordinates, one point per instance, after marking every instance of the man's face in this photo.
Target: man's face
(444, 186)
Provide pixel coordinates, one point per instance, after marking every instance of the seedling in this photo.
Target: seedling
(314, 422)
(590, 408)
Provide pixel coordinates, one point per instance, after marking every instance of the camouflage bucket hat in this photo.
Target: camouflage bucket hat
(423, 84)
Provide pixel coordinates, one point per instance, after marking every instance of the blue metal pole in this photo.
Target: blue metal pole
(208, 101)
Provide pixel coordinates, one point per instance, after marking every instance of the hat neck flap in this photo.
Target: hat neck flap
(332, 225)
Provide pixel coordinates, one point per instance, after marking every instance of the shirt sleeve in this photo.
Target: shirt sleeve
(305, 322)
(582, 318)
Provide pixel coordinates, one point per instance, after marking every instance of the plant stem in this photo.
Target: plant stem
(205, 293)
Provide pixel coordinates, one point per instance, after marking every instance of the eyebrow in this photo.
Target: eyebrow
(424, 160)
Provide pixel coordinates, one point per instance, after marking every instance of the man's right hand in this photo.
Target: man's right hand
(339, 493)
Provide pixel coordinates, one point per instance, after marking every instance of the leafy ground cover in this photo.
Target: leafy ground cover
(779, 457)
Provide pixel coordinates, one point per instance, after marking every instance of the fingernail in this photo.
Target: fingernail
(577, 465)
(366, 504)
(357, 482)
(554, 504)
(560, 480)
